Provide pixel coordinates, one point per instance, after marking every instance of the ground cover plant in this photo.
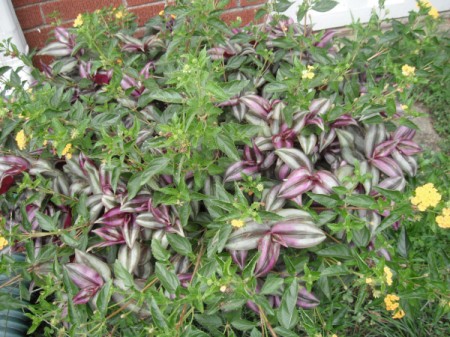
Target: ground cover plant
(214, 180)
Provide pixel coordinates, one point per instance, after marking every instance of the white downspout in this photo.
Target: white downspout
(10, 28)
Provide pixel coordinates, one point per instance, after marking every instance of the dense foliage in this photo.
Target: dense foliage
(206, 180)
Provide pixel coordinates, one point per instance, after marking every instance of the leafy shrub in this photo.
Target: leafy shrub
(207, 180)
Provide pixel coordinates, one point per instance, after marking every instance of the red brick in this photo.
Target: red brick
(21, 3)
(69, 9)
(231, 4)
(144, 13)
(30, 16)
(37, 38)
(139, 2)
(247, 15)
(252, 2)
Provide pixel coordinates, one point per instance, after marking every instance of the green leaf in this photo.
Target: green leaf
(154, 167)
(287, 314)
(337, 251)
(157, 315)
(103, 298)
(180, 244)
(216, 244)
(122, 274)
(255, 333)
(234, 88)
(275, 87)
(226, 145)
(361, 237)
(325, 200)
(242, 324)
(271, 285)
(324, 5)
(391, 194)
(167, 278)
(403, 243)
(45, 222)
(334, 271)
(282, 5)
(159, 252)
(361, 200)
(166, 95)
(284, 332)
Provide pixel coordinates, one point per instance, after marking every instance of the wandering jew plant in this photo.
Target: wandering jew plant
(199, 168)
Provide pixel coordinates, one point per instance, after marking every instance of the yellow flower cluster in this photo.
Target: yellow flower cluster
(237, 223)
(3, 242)
(119, 15)
(388, 275)
(369, 280)
(426, 196)
(408, 70)
(21, 140)
(443, 220)
(67, 151)
(399, 314)
(78, 21)
(432, 10)
(391, 302)
(308, 73)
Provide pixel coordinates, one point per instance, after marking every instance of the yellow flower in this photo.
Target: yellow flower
(161, 13)
(408, 70)
(173, 16)
(369, 280)
(3, 242)
(334, 335)
(78, 21)
(388, 275)
(433, 13)
(376, 293)
(404, 107)
(399, 314)
(391, 302)
(443, 220)
(119, 15)
(308, 74)
(67, 151)
(426, 196)
(21, 140)
(260, 187)
(237, 223)
(45, 142)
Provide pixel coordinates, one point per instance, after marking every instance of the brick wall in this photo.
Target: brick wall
(36, 16)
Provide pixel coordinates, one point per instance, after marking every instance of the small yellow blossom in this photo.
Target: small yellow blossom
(161, 13)
(237, 223)
(408, 70)
(369, 280)
(399, 314)
(334, 335)
(388, 275)
(376, 293)
(78, 21)
(45, 142)
(173, 16)
(404, 107)
(3, 242)
(21, 140)
(443, 220)
(223, 289)
(119, 15)
(67, 151)
(260, 187)
(308, 74)
(391, 302)
(433, 13)
(426, 196)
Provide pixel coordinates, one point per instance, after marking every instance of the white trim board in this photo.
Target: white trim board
(342, 14)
